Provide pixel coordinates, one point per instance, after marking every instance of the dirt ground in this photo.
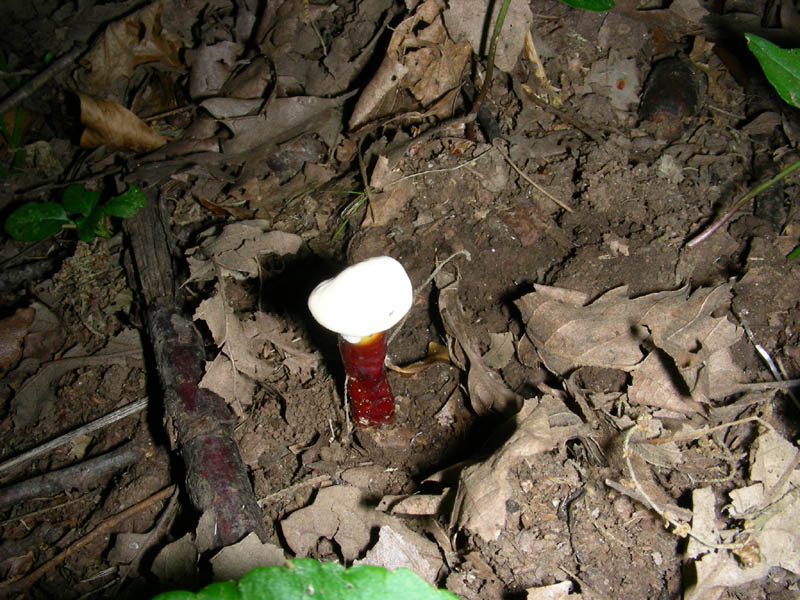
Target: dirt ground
(588, 416)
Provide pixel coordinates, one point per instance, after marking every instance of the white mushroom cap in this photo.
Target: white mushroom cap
(364, 299)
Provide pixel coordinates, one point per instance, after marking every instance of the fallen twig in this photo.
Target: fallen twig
(30, 87)
(522, 174)
(81, 476)
(103, 421)
(104, 527)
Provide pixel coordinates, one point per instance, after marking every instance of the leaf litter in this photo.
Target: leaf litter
(600, 411)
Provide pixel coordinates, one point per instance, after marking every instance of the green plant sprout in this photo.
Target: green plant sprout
(306, 578)
(35, 221)
(349, 211)
(782, 69)
(593, 5)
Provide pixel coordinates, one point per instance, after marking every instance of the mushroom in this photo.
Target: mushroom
(360, 304)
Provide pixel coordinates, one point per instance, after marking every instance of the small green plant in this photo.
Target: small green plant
(305, 578)
(79, 208)
(595, 5)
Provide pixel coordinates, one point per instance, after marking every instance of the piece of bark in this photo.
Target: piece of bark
(199, 421)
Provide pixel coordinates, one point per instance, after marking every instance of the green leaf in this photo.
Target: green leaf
(36, 221)
(305, 578)
(782, 67)
(91, 226)
(126, 204)
(78, 200)
(595, 5)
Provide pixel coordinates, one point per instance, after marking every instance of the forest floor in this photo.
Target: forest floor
(582, 398)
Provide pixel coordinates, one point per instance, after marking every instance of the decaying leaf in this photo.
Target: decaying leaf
(556, 591)
(769, 508)
(224, 379)
(501, 350)
(286, 118)
(399, 547)
(421, 65)
(211, 66)
(12, 331)
(237, 559)
(125, 349)
(484, 488)
(139, 38)
(692, 361)
(114, 126)
(237, 250)
(487, 392)
(467, 20)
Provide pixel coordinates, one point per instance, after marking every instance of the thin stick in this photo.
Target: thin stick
(529, 180)
(108, 419)
(765, 386)
(442, 170)
(739, 203)
(321, 480)
(681, 528)
(703, 433)
(423, 286)
(30, 87)
(104, 527)
(82, 475)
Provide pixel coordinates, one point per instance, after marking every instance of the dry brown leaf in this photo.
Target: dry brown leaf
(467, 19)
(111, 124)
(12, 331)
(224, 379)
(399, 547)
(240, 346)
(484, 488)
(501, 350)
(339, 514)
(487, 392)
(285, 118)
(139, 38)
(568, 334)
(237, 250)
(699, 343)
(648, 386)
(297, 357)
(211, 66)
(421, 61)
(693, 344)
(233, 561)
(123, 349)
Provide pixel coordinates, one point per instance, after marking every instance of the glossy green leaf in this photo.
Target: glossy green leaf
(126, 204)
(306, 578)
(782, 67)
(595, 5)
(78, 200)
(36, 221)
(91, 226)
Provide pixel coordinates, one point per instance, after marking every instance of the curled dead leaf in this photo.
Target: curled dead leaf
(487, 392)
(114, 126)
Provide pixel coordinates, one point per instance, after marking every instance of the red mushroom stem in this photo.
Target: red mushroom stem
(367, 386)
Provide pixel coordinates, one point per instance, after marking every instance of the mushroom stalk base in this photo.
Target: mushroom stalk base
(366, 385)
